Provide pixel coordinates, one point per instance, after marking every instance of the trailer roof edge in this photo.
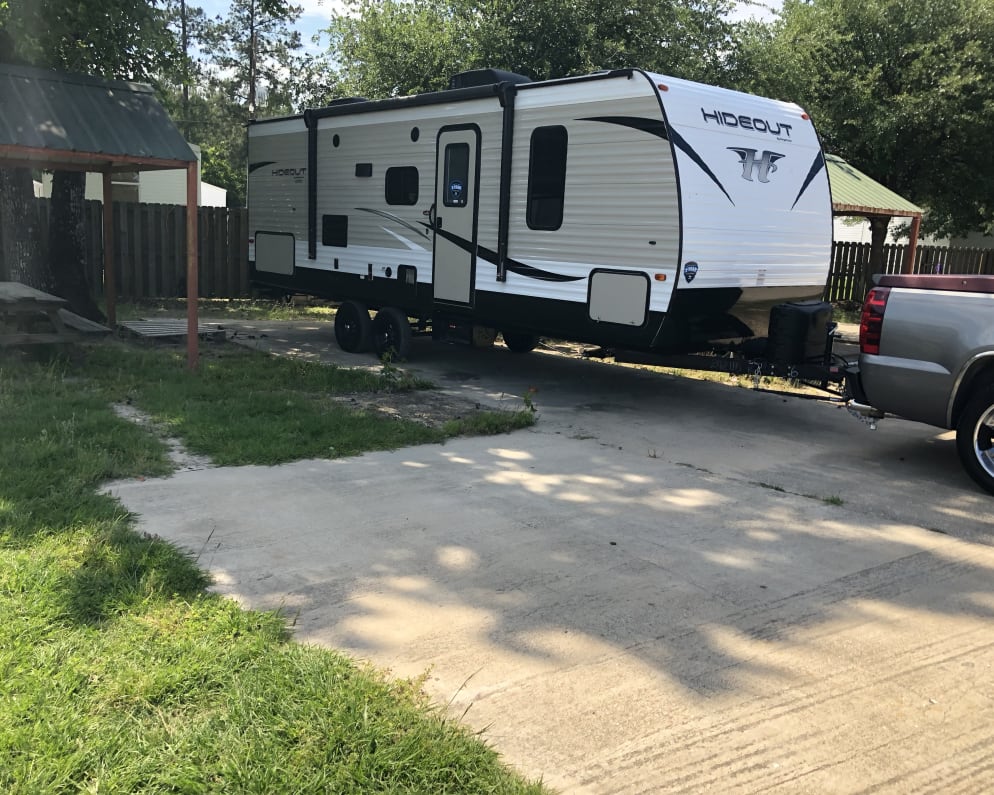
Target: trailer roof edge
(438, 97)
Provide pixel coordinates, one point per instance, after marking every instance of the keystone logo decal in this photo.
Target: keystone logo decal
(762, 166)
(690, 271)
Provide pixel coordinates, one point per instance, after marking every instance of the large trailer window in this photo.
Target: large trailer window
(546, 178)
(456, 175)
(401, 186)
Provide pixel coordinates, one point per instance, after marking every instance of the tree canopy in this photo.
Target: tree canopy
(110, 38)
(903, 88)
(391, 47)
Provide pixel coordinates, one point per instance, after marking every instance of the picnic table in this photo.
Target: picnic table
(30, 317)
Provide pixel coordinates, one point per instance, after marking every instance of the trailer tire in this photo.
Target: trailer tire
(975, 437)
(392, 333)
(353, 328)
(518, 342)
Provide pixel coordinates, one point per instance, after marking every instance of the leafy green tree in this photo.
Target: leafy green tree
(192, 30)
(254, 51)
(395, 47)
(126, 39)
(902, 88)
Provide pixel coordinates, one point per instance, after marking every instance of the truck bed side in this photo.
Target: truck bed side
(935, 329)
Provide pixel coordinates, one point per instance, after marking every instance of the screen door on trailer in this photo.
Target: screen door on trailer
(456, 175)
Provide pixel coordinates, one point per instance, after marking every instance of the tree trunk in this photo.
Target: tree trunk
(21, 255)
(67, 244)
(876, 264)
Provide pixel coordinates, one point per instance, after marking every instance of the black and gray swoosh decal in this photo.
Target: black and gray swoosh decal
(817, 166)
(256, 166)
(533, 273)
(678, 140)
(396, 219)
(655, 127)
(520, 268)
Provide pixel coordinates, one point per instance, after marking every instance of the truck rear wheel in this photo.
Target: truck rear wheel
(975, 437)
(353, 328)
(392, 333)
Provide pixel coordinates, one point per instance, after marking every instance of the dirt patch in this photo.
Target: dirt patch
(181, 458)
(426, 406)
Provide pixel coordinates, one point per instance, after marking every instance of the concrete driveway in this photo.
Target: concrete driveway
(667, 585)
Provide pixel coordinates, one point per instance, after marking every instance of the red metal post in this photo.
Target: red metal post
(110, 286)
(909, 255)
(192, 338)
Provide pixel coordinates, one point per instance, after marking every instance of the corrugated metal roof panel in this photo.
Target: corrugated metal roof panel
(42, 109)
(851, 188)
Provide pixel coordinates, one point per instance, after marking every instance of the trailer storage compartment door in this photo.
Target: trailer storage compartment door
(274, 252)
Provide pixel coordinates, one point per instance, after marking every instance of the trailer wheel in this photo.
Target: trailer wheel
(519, 342)
(353, 328)
(392, 333)
(975, 437)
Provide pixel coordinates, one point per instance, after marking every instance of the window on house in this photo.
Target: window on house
(546, 178)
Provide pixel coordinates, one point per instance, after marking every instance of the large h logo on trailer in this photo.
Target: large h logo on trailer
(763, 166)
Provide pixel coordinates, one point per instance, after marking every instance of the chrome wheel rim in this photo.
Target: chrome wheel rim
(983, 448)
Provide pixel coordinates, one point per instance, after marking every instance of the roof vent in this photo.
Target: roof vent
(485, 77)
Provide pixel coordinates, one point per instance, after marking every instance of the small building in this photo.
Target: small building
(149, 187)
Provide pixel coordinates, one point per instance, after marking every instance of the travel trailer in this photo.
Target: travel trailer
(626, 209)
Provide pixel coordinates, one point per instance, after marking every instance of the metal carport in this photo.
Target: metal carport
(855, 193)
(70, 122)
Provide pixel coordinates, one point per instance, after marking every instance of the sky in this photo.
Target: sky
(317, 13)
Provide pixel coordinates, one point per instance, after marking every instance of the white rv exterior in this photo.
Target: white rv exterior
(624, 208)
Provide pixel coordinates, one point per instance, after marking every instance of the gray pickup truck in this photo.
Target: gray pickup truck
(927, 354)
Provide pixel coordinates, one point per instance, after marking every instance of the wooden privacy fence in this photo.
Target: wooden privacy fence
(150, 254)
(150, 249)
(848, 279)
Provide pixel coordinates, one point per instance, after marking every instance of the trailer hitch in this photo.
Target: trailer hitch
(865, 413)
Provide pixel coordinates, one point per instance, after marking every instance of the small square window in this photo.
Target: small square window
(401, 185)
(334, 230)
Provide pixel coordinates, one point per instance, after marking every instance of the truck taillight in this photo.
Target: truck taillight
(871, 324)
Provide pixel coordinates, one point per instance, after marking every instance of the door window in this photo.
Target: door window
(456, 185)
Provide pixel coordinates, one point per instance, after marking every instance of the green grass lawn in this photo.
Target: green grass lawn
(226, 309)
(119, 672)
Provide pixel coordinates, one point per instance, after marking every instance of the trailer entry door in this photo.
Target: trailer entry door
(457, 171)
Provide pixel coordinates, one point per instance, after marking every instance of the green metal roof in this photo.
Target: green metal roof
(57, 118)
(853, 192)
